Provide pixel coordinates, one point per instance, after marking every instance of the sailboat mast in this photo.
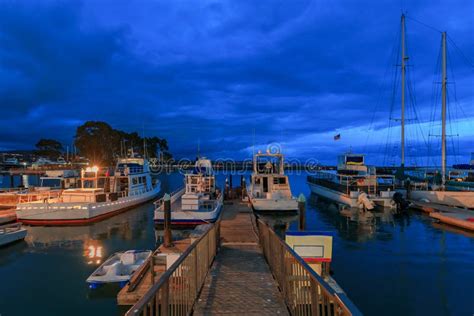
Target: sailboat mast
(403, 92)
(443, 111)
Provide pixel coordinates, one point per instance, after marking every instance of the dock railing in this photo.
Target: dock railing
(305, 292)
(176, 291)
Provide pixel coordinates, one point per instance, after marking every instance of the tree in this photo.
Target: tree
(97, 141)
(49, 148)
(101, 144)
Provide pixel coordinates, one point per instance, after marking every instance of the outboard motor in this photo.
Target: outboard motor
(401, 203)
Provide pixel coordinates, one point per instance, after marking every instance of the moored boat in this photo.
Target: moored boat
(199, 202)
(269, 188)
(103, 193)
(11, 232)
(355, 184)
(119, 267)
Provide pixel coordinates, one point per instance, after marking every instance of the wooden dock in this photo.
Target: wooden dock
(448, 215)
(142, 281)
(240, 280)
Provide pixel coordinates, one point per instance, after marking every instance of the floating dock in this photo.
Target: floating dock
(448, 215)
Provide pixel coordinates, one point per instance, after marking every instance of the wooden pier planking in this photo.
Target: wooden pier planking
(240, 281)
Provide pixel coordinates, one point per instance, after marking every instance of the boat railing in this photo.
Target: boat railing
(305, 292)
(175, 195)
(39, 196)
(177, 289)
(348, 183)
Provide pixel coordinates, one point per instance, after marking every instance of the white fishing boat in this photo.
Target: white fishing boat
(119, 267)
(199, 202)
(11, 232)
(269, 188)
(103, 193)
(355, 184)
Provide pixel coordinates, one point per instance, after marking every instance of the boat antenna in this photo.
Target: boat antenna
(253, 141)
(144, 142)
(199, 148)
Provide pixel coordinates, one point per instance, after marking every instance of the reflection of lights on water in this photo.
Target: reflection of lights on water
(93, 251)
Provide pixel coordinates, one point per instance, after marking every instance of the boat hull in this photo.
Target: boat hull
(463, 199)
(271, 205)
(66, 214)
(12, 237)
(189, 218)
(346, 199)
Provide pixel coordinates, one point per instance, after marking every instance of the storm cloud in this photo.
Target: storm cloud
(232, 74)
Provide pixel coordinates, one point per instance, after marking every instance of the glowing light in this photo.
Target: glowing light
(92, 169)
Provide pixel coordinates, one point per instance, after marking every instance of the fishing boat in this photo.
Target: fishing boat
(103, 193)
(119, 267)
(199, 202)
(354, 184)
(269, 188)
(11, 232)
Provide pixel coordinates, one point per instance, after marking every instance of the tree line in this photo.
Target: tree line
(102, 144)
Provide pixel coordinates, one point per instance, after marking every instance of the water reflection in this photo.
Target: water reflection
(93, 251)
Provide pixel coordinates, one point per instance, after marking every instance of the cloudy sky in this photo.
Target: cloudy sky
(234, 74)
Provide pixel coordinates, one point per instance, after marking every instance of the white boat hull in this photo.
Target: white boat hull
(78, 213)
(464, 199)
(274, 205)
(114, 269)
(346, 199)
(180, 217)
(8, 237)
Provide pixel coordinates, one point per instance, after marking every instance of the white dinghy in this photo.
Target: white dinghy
(119, 267)
(10, 233)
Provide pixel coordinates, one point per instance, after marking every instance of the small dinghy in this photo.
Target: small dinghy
(11, 232)
(119, 267)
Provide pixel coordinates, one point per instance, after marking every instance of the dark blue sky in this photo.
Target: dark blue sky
(295, 72)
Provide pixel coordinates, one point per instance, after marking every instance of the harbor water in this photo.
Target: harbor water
(387, 265)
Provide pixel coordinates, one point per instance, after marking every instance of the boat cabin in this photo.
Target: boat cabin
(131, 177)
(351, 164)
(268, 176)
(200, 187)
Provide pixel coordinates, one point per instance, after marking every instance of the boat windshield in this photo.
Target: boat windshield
(51, 182)
(354, 160)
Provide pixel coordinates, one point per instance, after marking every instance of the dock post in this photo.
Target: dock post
(302, 210)
(244, 188)
(168, 240)
(226, 192)
(152, 268)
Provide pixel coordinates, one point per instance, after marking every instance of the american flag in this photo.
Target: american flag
(337, 137)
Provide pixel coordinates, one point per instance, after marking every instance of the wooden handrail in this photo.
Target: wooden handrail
(187, 272)
(304, 291)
